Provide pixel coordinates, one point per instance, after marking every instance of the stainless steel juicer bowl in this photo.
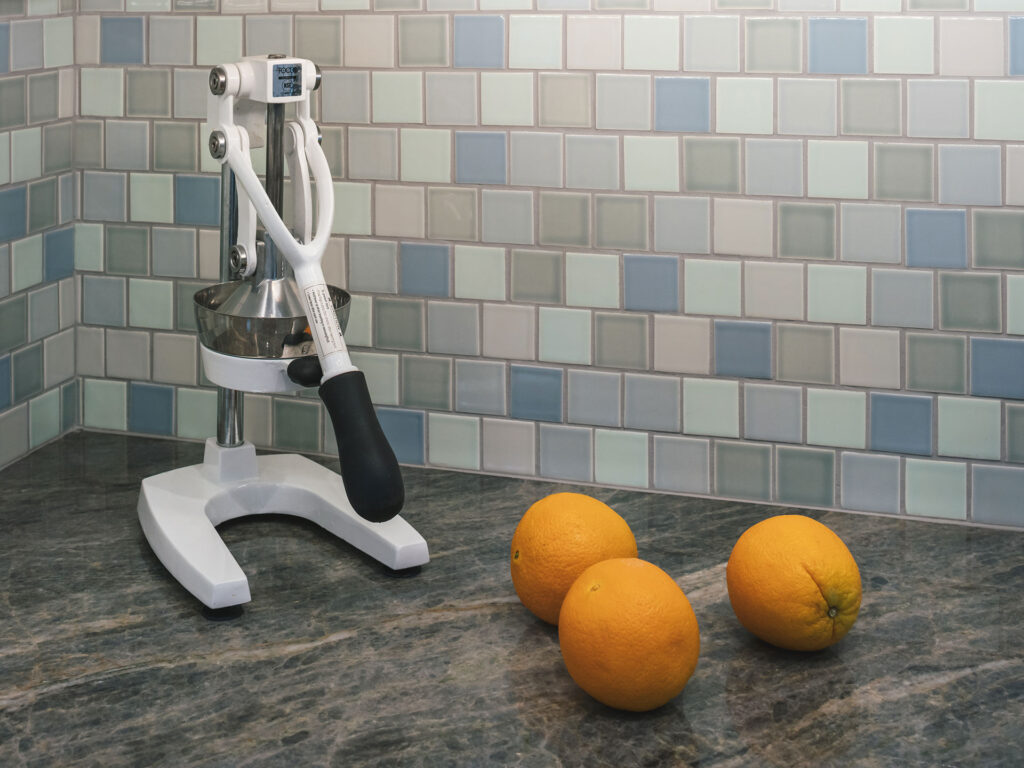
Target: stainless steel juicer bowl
(253, 335)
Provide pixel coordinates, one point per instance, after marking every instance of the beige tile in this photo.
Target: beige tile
(399, 211)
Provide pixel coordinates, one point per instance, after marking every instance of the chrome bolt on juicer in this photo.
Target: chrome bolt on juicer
(274, 325)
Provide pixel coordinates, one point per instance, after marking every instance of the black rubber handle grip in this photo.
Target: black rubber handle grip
(369, 468)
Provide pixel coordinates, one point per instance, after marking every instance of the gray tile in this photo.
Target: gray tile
(103, 196)
(1014, 432)
(14, 425)
(13, 323)
(902, 298)
(373, 266)
(805, 353)
(938, 108)
(507, 216)
(807, 230)
(170, 39)
(423, 41)
(88, 146)
(451, 214)
(595, 398)
(565, 99)
(453, 328)
(510, 331)
(564, 219)
(711, 164)
(681, 464)
(90, 357)
(805, 476)
(620, 341)
(27, 372)
(998, 239)
(904, 172)
(480, 387)
(268, 34)
(870, 107)
(592, 162)
(43, 312)
(69, 409)
(969, 302)
(5, 270)
(621, 222)
(103, 300)
(127, 250)
(537, 276)
(190, 90)
(147, 93)
(128, 354)
(13, 102)
(174, 358)
(43, 97)
(743, 470)
(872, 233)
(373, 153)
(58, 147)
(871, 483)
(509, 447)
(970, 175)
(996, 494)
(318, 38)
(426, 382)
(345, 97)
(682, 224)
(624, 102)
(58, 358)
(566, 453)
(398, 324)
(535, 159)
(42, 205)
(652, 402)
(772, 413)
(774, 167)
(26, 45)
(451, 98)
(257, 420)
(174, 252)
(936, 363)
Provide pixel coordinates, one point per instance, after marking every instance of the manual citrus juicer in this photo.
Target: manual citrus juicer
(277, 327)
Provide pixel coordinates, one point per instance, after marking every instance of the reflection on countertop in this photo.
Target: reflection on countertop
(105, 660)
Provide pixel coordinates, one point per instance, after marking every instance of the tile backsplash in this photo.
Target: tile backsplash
(755, 249)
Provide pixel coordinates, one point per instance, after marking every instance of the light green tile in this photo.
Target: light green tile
(26, 263)
(218, 39)
(837, 294)
(621, 340)
(807, 231)
(44, 418)
(904, 46)
(621, 222)
(936, 488)
(196, 413)
(592, 279)
(296, 425)
(359, 331)
(479, 272)
(936, 363)
(621, 458)
(711, 287)
(837, 169)
(969, 302)
(58, 42)
(397, 97)
(743, 470)
(535, 42)
(870, 107)
(999, 239)
(426, 155)
(564, 219)
(318, 38)
(175, 146)
(711, 164)
(805, 476)
(423, 41)
(1015, 304)
(351, 209)
(711, 407)
(999, 110)
(151, 303)
(565, 335)
(744, 105)
(102, 93)
(651, 163)
(904, 172)
(427, 382)
(89, 246)
(970, 427)
(148, 93)
(774, 45)
(381, 373)
(5, 158)
(805, 353)
(506, 98)
(836, 418)
(453, 441)
(152, 197)
(105, 404)
(26, 154)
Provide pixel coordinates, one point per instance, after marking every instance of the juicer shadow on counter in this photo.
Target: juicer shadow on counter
(274, 326)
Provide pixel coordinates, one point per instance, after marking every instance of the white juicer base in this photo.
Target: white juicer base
(179, 510)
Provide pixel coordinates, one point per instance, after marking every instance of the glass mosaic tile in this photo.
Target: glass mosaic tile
(398, 324)
(452, 213)
(623, 102)
(870, 107)
(535, 42)
(104, 404)
(681, 464)
(807, 107)
(479, 41)
(970, 302)
(509, 446)
(773, 45)
(743, 471)
(711, 164)
(998, 239)
(453, 328)
(711, 407)
(426, 382)
(969, 428)
(564, 335)
(936, 489)
(997, 367)
(805, 476)
(996, 494)
(621, 458)
(904, 45)
(870, 483)
(507, 216)
(711, 43)
(564, 100)
(591, 162)
(902, 298)
(805, 353)
(620, 341)
(772, 413)
(807, 230)
(509, 331)
(682, 104)
(681, 224)
(774, 167)
(566, 453)
(743, 349)
(480, 386)
(406, 432)
(593, 42)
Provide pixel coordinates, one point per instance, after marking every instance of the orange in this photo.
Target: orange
(556, 540)
(628, 635)
(793, 583)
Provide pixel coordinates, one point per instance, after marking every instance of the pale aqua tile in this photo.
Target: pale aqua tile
(151, 303)
(836, 418)
(196, 413)
(592, 279)
(26, 154)
(970, 428)
(837, 169)
(999, 110)
(151, 197)
(89, 246)
(102, 92)
(26, 263)
(479, 272)
(837, 294)
(711, 407)
(44, 418)
(218, 39)
(711, 287)
(105, 404)
(453, 441)
(936, 489)
(621, 458)
(565, 335)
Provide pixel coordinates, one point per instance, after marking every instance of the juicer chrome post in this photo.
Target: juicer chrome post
(230, 402)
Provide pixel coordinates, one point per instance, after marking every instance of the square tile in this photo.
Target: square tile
(620, 341)
(397, 97)
(998, 239)
(566, 453)
(837, 169)
(480, 386)
(345, 97)
(405, 431)
(507, 216)
(807, 106)
(651, 402)
(970, 175)
(805, 353)
(996, 494)
(971, 47)
(171, 40)
(772, 413)
(372, 153)
(651, 42)
(651, 163)
(938, 108)
(743, 349)
(151, 409)
(564, 99)
(970, 428)
(870, 483)
(593, 42)
(452, 214)
(623, 102)
(296, 425)
(774, 45)
(871, 233)
(104, 404)
(936, 489)
(592, 280)
(564, 335)
(743, 471)
(621, 222)
(997, 368)
(479, 272)
(805, 476)
(621, 458)
(744, 105)
(837, 294)
(904, 172)
(424, 269)
(373, 266)
(398, 324)
(479, 41)
(509, 331)
(711, 287)
(27, 372)
(197, 200)
(535, 159)
(743, 227)
(682, 224)
(535, 393)
(902, 298)
(936, 363)
(265, 34)
(904, 45)
(480, 157)
(536, 276)
(509, 446)
(773, 290)
(651, 283)
(711, 164)
(807, 230)
(681, 464)
(837, 46)
(591, 162)
(871, 107)
(936, 238)
(1015, 304)
(426, 382)
(453, 328)
(711, 407)
(535, 42)
(869, 358)
(997, 110)
(564, 219)
(506, 98)
(970, 302)
(595, 398)
(682, 344)
(836, 418)
(103, 300)
(774, 167)
(682, 104)
(901, 423)
(711, 43)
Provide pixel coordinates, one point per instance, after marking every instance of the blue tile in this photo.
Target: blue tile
(594, 398)
(13, 213)
(121, 40)
(479, 157)
(682, 104)
(423, 269)
(405, 431)
(651, 283)
(27, 372)
(103, 300)
(5, 48)
(103, 196)
(997, 368)
(479, 42)
(996, 495)
(652, 402)
(197, 200)
(901, 423)
(936, 238)
(535, 393)
(681, 464)
(151, 409)
(970, 175)
(871, 483)
(480, 386)
(772, 413)
(58, 254)
(5, 382)
(566, 453)
(1016, 45)
(838, 46)
(743, 349)
(902, 298)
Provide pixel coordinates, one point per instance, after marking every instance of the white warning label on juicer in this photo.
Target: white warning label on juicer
(323, 321)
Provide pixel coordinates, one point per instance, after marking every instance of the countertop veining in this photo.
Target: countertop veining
(106, 661)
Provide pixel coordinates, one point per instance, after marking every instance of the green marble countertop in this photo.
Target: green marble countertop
(106, 661)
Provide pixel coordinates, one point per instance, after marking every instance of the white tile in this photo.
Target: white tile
(711, 43)
(743, 227)
(594, 42)
(651, 163)
(970, 46)
(651, 42)
(535, 42)
(744, 105)
(904, 45)
(506, 98)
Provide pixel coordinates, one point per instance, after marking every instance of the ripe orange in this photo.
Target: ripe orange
(628, 635)
(556, 540)
(793, 583)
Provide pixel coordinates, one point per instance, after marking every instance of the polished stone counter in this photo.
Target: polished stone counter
(106, 661)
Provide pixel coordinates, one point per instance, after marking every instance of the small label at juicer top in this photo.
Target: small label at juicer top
(287, 80)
